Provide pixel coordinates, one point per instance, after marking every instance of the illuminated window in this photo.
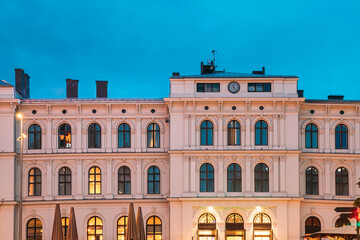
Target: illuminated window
(311, 136)
(342, 222)
(153, 136)
(234, 227)
(153, 180)
(34, 229)
(65, 181)
(64, 136)
(124, 135)
(312, 181)
(341, 137)
(234, 178)
(261, 178)
(233, 133)
(261, 133)
(95, 229)
(262, 227)
(342, 181)
(206, 133)
(124, 178)
(94, 180)
(65, 226)
(153, 228)
(206, 227)
(312, 224)
(94, 135)
(122, 227)
(206, 178)
(34, 137)
(34, 182)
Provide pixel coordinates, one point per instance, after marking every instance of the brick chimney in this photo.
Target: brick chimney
(72, 88)
(101, 89)
(22, 83)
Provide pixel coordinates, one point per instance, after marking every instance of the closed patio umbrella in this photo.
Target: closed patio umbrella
(131, 233)
(72, 233)
(57, 233)
(140, 225)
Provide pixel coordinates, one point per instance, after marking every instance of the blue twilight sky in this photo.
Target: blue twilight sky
(137, 44)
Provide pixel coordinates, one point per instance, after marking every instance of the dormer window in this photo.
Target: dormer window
(259, 87)
(208, 87)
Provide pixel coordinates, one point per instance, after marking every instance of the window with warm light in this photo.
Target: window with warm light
(207, 227)
(34, 229)
(124, 180)
(234, 227)
(153, 136)
(34, 182)
(65, 181)
(94, 180)
(312, 224)
(262, 227)
(65, 226)
(95, 229)
(122, 227)
(64, 136)
(34, 137)
(233, 133)
(342, 222)
(153, 228)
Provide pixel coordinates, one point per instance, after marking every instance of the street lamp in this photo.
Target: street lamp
(21, 139)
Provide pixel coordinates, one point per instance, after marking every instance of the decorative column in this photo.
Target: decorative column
(271, 136)
(138, 134)
(327, 182)
(103, 139)
(109, 178)
(276, 173)
(192, 174)
(80, 174)
(282, 131)
(247, 132)
(332, 140)
(248, 175)
(78, 138)
(327, 135)
(282, 179)
(193, 131)
(108, 135)
(276, 131)
(197, 134)
(220, 144)
(357, 136)
(139, 180)
(143, 140)
(321, 142)
(351, 141)
(220, 180)
(162, 139)
(252, 137)
(186, 131)
(186, 164)
(49, 178)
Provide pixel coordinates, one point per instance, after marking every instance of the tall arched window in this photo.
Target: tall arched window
(95, 229)
(234, 227)
(122, 227)
(154, 180)
(34, 229)
(261, 133)
(206, 226)
(312, 224)
(311, 136)
(94, 135)
(65, 181)
(261, 178)
(124, 180)
(153, 136)
(34, 137)
(312, 181)
(124, 133)
(153, 228)
(34, 182)
(64, 136)
(206, 178)
(234, 178)
(342, 181)
(94, 180)
(262, 226)
(206, 133)
(341, 137)
(65, 226)
(342, 222)
(233, 133)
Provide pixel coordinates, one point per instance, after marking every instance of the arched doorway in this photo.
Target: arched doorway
(207, 227)
(262, 227)
(234, 228)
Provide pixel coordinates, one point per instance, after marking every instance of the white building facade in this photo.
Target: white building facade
(225, 156)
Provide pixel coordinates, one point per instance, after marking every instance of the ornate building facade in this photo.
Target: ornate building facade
(225, 156)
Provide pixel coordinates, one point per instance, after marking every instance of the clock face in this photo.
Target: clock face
(234, 87)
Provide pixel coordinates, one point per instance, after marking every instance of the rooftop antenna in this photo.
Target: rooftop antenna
(213, 53)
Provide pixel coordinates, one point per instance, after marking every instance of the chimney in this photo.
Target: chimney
(300, 93)
(262, 72)
(72, 88)
(336, 97)
(101, 89)
(22, 83)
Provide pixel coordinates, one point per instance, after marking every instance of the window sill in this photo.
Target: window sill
(122, 196)
(154, 196)
(95, 196)
(34, 198)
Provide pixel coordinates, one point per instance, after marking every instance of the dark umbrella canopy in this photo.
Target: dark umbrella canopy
(140, 225)
(72, 233)
(57, 233)
(131, 233)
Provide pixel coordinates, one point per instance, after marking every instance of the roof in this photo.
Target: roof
(94, 100)
(346, 232)
(233, 75)
(4, 83)
(331, 101)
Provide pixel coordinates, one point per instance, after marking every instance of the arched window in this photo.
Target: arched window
(124, 178)
(206, 133)
(34, 137)
(234, 178)
(311, 136)
(65, 181)
(154, 180)
(153, 136)
(94, 180)
(234, 227)
(206, 226)
(94, 134)
(34, 229)
(153, 228)
(206, 178)
(65, 226)
(122, 227)
(34, 182)
(312, 224)
(312, 181)
(261, 133)
(342, 222)
(261, 178)
(95, 229)
(262, 226)
(124, 135)
(64, 136)
(233, 133)
(341, 137)
(342, 181)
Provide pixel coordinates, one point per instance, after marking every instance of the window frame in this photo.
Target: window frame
(341, 136)
(341, 188)
(155, 183)
(94, 181)
(36, 183)
(312, 187)
(209, 182)
(65, 226)
(207, 87)
(311, 129)
(95, 227)
(154, 225)
(120, 235)
(207, 129)
(122, 134)
(35, 227)
(35, 135)
(233, 188)
(153, 135)
(94, 134)
(124, 182)
(312, 227)
(261, 130)
(63, 144)
(67, 184)
(266, 87)
(264, 178)
(234, 133)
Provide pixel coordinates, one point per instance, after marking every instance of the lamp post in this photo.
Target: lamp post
(21, 139)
